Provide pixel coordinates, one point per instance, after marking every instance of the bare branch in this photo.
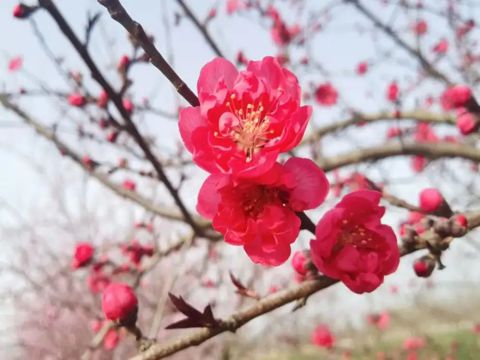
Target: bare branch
(119, 14)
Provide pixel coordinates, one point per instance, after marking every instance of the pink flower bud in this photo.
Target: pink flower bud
(455, 97)
(128, 105)
(119, 303)
(461, 220)
(420, 27)
(362, 68)
(430, 200)
(112, 136)
(129, 185)
(299, 262)
(392, 92)
(111, 339)
(467, 122)
(326, 94)
(323, 337)
(83, 255)
(424, 266)
(15, 64)
(123, 63)
(87, 162)
(76, 100)
(21, 11)
(102, 99)
(441, 47)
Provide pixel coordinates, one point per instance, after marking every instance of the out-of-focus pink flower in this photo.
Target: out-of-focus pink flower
(83, 255)
(15, 64)
(393, 131)
(414, 343)
(464, 29)
(97, 281)
(362, 68)
(393, 92)
(420, 27)
(323, 337)
(111, 339)
(129, 185)
(441, 47)
(128, 105)
(283, 35)
(119, 302)
(467, 122)
(455, 97)
(418, 163)
(102, 99)
(430, 200)
(326, 94)
(123, 63)
(136, 251)
(234, 6)
(380, 321)
(76, 100)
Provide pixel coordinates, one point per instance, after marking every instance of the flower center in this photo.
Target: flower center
(356, 235)
(254, 199)
(252, 130)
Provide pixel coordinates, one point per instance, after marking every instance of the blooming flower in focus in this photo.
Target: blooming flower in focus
(353, 246)
(259, 213)
(245, 119)
(326, 95)
(323, 337)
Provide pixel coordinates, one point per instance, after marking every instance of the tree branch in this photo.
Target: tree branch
(120, 15)
(428, 150)
(203, 30)
(424, 116)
